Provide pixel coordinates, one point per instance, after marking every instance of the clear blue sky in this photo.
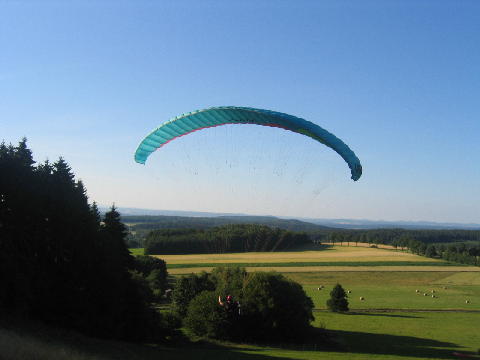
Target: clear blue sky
(399, 81)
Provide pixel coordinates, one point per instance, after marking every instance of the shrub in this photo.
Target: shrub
(205, 317)
(229, 280)
(275, 308)
(187, 288)
(272, 308)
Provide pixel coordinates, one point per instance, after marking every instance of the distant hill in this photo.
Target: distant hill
(379, 224)
(151, 222)
(224, 218)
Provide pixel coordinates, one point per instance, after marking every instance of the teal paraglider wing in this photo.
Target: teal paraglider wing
(216, 116)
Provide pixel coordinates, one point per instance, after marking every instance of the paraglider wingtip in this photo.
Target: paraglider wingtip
(357, 172)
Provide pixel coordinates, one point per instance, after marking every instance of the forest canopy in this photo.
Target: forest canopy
(223, 239)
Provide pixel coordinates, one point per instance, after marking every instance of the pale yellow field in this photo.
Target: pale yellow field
(335, 253)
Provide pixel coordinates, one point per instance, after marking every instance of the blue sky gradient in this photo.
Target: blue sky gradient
(398, 81)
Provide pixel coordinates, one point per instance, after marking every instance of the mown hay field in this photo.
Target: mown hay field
(310, 269)
(335, 258)
(396, 290)
(334, 253)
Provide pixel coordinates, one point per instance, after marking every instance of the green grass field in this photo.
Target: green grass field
(396, 290)
(393, 322)
(137, 251)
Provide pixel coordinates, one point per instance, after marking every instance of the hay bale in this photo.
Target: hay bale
(424, 294)
(433, 291)
(362, 298)
(417, 291)
(467, 301)
(433, 296)
(349, 291)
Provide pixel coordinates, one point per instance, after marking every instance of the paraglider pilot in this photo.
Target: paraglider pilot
(230, 306)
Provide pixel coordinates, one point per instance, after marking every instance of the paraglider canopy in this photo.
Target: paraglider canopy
(216, 116)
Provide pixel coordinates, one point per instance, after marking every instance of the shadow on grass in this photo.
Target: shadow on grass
(383, 344)
(386, 314)
(356, 342)
(52, 341)
(309, 247)
(42, 342)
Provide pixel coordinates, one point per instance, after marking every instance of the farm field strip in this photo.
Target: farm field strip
(395, 290)
(464, 278)
(313, 269)
(385, 279)
(335, 253)
(335, 258)
(377, 296)
(323, 263)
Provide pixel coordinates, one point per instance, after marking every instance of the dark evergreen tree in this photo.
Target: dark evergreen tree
(58, 263)
(115, 234)
(96, 217)
(338, 299)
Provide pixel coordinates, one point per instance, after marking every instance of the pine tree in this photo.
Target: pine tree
(338, 299)
(116, 232)
(23, 154)
(95, 213)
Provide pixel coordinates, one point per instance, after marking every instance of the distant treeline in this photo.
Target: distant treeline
(140, 226)
(462, 246)
(223, 239)
(456, 252)
(400, 237)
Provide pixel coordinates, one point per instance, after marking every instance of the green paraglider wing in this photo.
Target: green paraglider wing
(216, 116)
